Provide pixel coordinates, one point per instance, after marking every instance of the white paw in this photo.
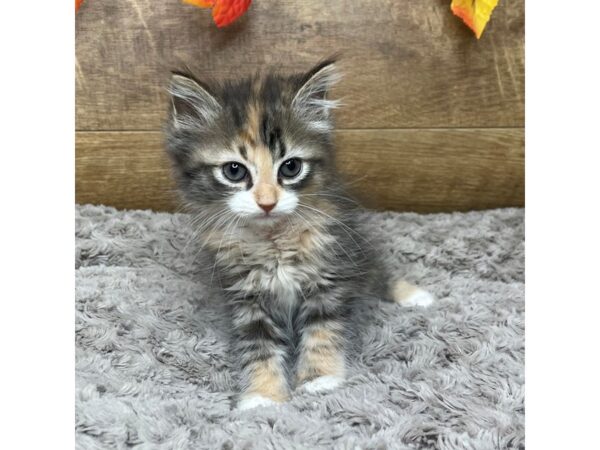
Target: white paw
(418, 298)
(321, 384)
(254, 401)
(408, 295)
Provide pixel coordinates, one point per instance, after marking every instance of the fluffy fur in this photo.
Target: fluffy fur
(255, 162)
(153, 369)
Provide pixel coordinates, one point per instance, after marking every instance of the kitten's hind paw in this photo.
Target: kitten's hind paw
(322, 384)
(407, 295)
(254, 401)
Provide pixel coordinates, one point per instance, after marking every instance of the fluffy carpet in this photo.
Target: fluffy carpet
(153, 369)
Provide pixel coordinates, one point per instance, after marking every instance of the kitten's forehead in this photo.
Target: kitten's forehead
(258, 124)
(256, 155)
(265, 114)
(256, 102)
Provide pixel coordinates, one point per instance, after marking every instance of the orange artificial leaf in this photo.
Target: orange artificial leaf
(474, 13)
(201, 3)
(224, 11)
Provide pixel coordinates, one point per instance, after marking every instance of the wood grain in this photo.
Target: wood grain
(406, 63)
(428, 170)
(125, 170)
(434, 170)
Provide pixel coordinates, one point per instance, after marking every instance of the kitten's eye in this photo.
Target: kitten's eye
(234, 171)
(290, 168)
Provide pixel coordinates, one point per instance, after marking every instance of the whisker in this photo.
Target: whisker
(221, 221)
(199, 228)
(357, 180)
(239, 241)
(345, 227)
(336, 241)
(333, 196)
(229, 226)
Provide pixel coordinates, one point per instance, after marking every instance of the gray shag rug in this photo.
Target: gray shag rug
(153, 371)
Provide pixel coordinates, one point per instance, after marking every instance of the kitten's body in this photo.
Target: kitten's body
(256, 163)
(295, 283)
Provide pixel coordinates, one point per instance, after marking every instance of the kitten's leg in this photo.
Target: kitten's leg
(407, 294)
(321, 361)
(260, 348)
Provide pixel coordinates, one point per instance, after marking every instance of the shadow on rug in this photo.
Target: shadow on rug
(153, 369)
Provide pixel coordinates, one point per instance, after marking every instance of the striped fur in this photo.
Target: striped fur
(289, 276)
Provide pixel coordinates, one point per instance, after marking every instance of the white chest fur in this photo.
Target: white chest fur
(280, 262)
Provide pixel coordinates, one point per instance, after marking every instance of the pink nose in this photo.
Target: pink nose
(267, 208)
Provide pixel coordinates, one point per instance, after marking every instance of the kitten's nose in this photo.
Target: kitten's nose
(267, 207)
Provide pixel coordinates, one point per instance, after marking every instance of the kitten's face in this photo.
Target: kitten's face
(263, 184)
(259, 149)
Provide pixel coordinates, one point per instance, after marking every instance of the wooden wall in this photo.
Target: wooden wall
(432, 118)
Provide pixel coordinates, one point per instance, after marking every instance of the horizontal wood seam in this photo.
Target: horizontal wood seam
(338, 129)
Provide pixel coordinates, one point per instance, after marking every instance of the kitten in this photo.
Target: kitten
(254, 159)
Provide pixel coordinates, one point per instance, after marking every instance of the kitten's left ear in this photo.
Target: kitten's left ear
(311, 99)
(193, 104)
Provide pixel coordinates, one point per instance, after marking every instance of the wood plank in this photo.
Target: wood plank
(434, 170)
(127, 170)
(407, 64)
(405, 170)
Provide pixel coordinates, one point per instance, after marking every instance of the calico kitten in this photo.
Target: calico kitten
(254, 159)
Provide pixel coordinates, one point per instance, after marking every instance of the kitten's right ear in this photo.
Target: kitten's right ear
(193, 106)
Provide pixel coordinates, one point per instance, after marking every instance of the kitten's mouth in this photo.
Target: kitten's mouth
(267, 219)
(268, 216)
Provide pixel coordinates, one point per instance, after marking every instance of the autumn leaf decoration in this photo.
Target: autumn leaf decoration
(474, 13)
(224, 12)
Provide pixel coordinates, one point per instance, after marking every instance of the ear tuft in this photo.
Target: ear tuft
(193, 105)
(311, 99)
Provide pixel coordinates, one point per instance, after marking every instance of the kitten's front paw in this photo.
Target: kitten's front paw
(322, 384)
(254, 401)
(408, 295)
